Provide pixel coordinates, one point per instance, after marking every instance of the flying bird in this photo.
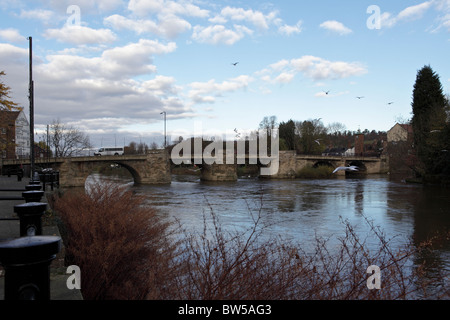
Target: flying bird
(350, 168)
(389, 103)
(359, 98)
(237, 133)
(327, 92)
(317, 141)
(235, 64)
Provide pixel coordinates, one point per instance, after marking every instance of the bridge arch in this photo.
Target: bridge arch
(134, 173)
(325, 163)
(360, 164)
(88, 169)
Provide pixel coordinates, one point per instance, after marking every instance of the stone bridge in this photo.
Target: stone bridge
(290, 163)
(151, 168)
(155, 167)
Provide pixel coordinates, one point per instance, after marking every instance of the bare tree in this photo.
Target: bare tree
(153, 146)
(67, 140)
(335, 127)
(142, 148)
(268, 124)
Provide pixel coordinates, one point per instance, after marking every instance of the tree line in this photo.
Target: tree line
(313, 137)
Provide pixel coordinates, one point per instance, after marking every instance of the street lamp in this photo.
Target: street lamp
(164, 128)
(31, 100)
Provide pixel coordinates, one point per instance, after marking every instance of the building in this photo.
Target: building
(359, 144)
(400, 132)
(14, 135)
(402, 157)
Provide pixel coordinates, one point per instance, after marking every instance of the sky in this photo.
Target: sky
(111, 67)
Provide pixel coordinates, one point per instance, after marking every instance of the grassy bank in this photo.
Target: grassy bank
(125, 251)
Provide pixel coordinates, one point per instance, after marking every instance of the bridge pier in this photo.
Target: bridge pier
(155, 170)
(287, 166)
(341, 163)
(219, 172)
(225, 171)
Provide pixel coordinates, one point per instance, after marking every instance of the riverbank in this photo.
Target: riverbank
(10, 229)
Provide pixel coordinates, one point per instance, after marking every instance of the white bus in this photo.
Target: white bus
(116, 151)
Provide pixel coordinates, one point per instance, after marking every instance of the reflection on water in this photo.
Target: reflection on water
(300, 210)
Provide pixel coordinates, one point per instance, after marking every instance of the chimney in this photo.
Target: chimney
(359, 144)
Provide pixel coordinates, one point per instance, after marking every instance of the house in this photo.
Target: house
(400, 132)
(40, 152)
(14, 135)
(349, 152)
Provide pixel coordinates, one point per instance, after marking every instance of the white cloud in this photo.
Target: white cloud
(161, 86)
(44, 16)
(284, 77)
(336, 26)
(12, 35)
(279, 65)
(169, 26)
(80, 35)
(288, 30)
(257, 18)
(205, 92)
(165, 7)
(312, 67)
(78, 88)
(119, 22)
(219, 34)
(415, 12)
(443, 7)
(218, 20)
(86, 6)
(14, 62)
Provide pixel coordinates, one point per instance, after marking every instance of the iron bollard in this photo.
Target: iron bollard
(26, 261)
(35, 179)
(30, 215)
(32, 196)
(31, 187)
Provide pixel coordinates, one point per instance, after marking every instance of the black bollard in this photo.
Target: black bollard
(31, 187)
(32, 196)
(30, 215)
(26, 261)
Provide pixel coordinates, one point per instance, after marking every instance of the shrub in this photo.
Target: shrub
(120, 245)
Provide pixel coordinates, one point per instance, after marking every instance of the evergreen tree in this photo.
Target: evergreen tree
(287, 133)
(429, 119)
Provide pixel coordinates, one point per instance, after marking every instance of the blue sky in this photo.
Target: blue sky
(111, 67)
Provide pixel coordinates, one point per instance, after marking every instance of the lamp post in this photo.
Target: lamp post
(164, 129)
(31, 99)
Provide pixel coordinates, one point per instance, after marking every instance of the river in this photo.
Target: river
(301, 210)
